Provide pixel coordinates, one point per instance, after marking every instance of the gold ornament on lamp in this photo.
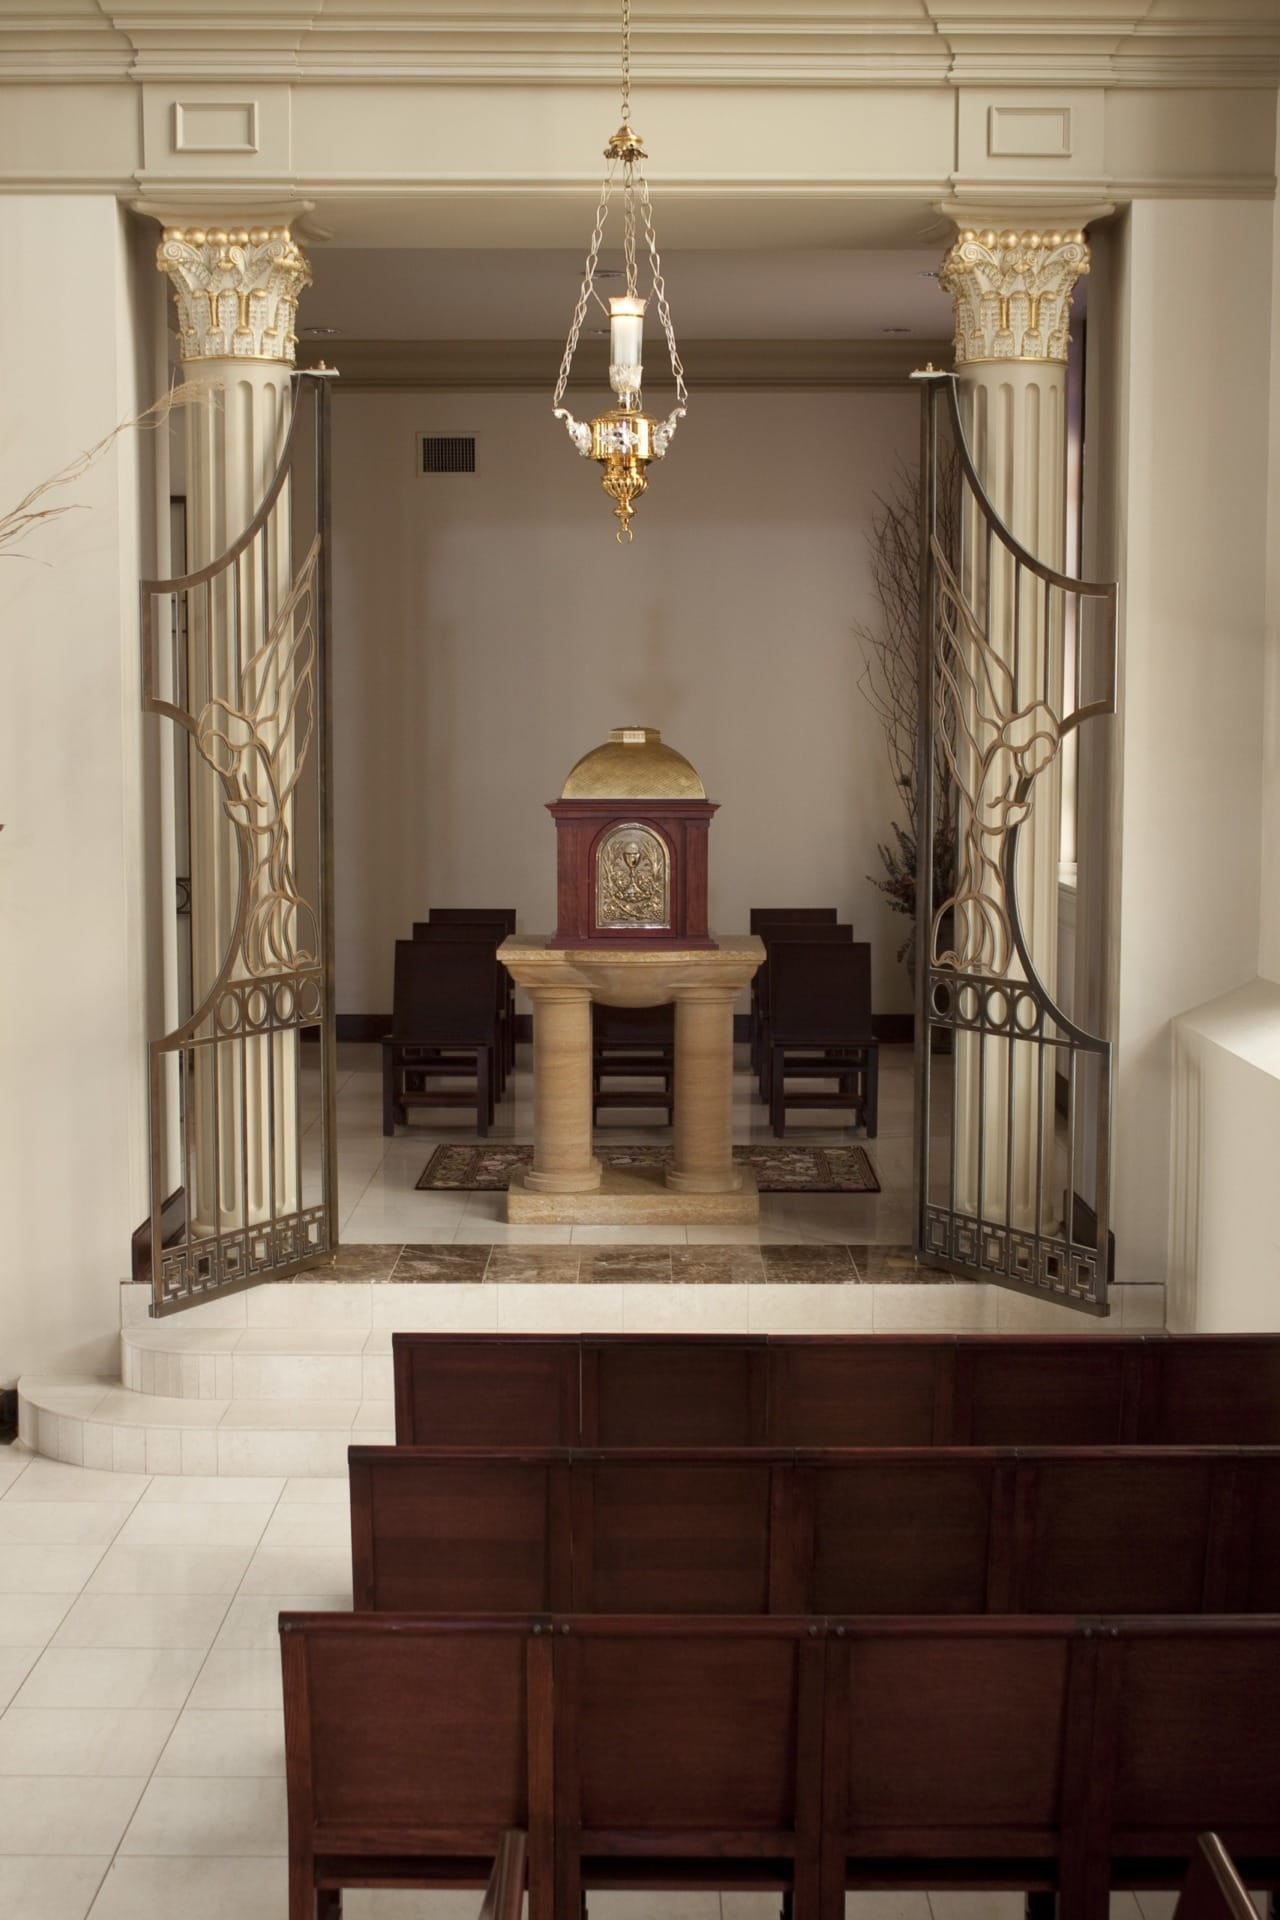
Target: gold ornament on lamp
(625, 439)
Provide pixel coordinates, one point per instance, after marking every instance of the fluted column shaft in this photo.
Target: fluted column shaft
(236, 291)
(1012, 291)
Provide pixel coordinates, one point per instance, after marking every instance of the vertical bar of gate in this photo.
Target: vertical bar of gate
(324, 686)
(925, 721)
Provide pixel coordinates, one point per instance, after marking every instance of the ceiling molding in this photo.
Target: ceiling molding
(530, 365)
(768, 43)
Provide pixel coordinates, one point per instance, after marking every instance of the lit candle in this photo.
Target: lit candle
(626, 334)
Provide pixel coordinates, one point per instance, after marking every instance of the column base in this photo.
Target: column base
(587, 1181)
(626, 1199)
(730, 1182)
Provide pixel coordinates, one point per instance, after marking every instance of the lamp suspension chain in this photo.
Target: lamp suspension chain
(625, 438)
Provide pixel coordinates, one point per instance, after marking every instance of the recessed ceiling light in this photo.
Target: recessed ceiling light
(928, 273)
(608, 273)
(320, 333)
(895, 329)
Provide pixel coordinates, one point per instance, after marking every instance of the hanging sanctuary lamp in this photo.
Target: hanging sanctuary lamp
(625, 438)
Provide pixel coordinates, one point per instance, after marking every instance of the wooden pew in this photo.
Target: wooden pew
(810, 1755)
(829, 1391)
(888, 1530)
(411, 1750)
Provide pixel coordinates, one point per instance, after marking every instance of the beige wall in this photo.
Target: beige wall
(72, 1027)
(488, 631)
(1192, 443)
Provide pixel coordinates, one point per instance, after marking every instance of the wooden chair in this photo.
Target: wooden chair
(819, 1028)
(445, 1024)
(411, 1747)
(505, 919)
(762, 917)
(464, 931)
(635, 1043)
(776, 934)
(688, 1755)
(1213, 1890)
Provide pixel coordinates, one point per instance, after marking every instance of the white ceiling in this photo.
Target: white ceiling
(505, 294)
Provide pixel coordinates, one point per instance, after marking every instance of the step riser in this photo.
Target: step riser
(113, 1448)
(255, 1376)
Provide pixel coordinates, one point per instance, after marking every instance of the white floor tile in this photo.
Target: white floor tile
(241, 1819)
(15, 1664)
(323, 1526)
(205, 1524)
(257, 1451)
(60, 1523)
(252, 1620)
(238, 1678)
(660, 1906)
(804, 1308)
(170, 1569)
(142, 1620)
(316, 1490)
(918, 1307)
(31, 1619)
(75, 1742)
(213, 1490)
(977, 1906)
(559, 1309)
(240, 1743)
(50, 1888)
(311, 1416)
(299, 1570)
(47, 1569)
(44, 1815)
(701, 1308)
(52, 1480)
(193, 1888)
(111, 1677)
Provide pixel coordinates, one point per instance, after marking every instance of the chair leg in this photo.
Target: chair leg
(388, 1089)
(484, 1091)
(328, 1903)
(1042, 1905)
(871, 1110)
(777, 1092)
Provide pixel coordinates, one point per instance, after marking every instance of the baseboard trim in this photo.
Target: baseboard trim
(891, 1029)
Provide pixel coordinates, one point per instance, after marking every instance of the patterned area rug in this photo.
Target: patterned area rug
(779, 1168)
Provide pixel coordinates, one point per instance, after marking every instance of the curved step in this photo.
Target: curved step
(177, 1360)
(99, 1423)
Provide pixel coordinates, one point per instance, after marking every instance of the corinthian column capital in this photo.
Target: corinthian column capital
(1011, 292)
(236, 290)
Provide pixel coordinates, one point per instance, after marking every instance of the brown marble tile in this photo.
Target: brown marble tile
(525, 1264)
(371, 1261)
(724, 1266)
(810, 1262)
(897, 1264)
(444, 1262)
(651, 1265)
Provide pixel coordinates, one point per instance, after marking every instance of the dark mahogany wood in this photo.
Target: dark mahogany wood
(839, 1390)
(411, 1747)
(908, 1531)
(682, 825)
(688, 1753)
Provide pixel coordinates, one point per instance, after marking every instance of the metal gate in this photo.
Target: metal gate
(242, 1134)
(1013, 1107)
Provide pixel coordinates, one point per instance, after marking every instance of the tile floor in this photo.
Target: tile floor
(141, 1745)
(376, 1175)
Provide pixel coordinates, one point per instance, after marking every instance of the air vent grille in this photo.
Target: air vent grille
(446, 453)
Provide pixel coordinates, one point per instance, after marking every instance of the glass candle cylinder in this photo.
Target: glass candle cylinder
(626, 333)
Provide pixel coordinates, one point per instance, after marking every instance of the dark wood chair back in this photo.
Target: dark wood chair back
(411, 1747)
(476, 932)
(504, 917)
(1213, 1890)
(445, 992)
(783, 933)
(688, 1752)
(820, 994)
(480, 1390)
(903, 1531)
(762, 917)
(854, 1390)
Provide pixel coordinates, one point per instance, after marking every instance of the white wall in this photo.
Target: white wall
(1269, 849)
(1192, 442)
(72, 1031)
(488, 631)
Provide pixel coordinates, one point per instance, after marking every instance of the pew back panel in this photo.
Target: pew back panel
(456, 1390)
(669, 1392)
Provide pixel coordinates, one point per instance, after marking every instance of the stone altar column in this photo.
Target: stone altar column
(236, 290)
(562, 1112)
(1011, 289)
(703, 1116)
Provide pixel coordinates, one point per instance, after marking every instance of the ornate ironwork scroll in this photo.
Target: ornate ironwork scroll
(1013, 1110)
(234, 654)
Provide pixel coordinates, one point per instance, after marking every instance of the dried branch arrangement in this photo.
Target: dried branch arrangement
(34, 510)
(890, 684)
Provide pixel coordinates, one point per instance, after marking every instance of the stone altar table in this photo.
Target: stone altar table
(566, 1182)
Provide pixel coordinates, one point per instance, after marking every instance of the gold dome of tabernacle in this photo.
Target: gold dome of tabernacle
(633, 764)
